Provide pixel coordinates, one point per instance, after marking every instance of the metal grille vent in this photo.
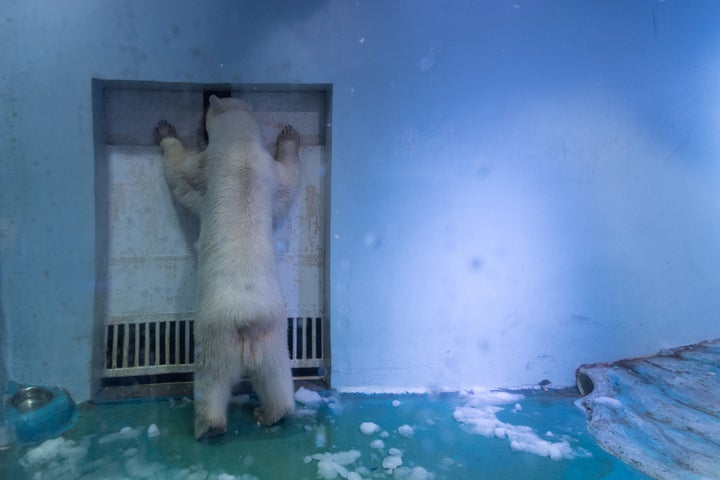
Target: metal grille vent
(142, 347)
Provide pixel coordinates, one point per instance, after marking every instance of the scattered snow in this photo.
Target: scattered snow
(478, 416)
(332, 465)
(368, 428)
(63, 458)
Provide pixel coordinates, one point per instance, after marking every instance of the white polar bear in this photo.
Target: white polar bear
(239, 192)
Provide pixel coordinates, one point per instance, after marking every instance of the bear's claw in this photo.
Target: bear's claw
(288, 134)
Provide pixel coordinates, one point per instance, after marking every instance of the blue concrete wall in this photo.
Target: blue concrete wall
(517, 187)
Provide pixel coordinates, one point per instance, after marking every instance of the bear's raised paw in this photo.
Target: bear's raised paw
(164, 129)
(289, 134)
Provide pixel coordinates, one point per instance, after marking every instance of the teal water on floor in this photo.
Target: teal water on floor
(116, 441)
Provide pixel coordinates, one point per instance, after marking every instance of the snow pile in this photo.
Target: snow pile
(58, 458)
(61, 458)
(478, 416)
(332, 465)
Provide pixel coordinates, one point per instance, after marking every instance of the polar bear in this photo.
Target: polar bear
(239, 193)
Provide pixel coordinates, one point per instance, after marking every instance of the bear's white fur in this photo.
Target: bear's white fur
(239, 192)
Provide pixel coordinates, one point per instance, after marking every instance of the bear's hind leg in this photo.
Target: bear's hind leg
(214, 378)
(272, 380)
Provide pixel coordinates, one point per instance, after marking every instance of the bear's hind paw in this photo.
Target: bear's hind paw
(207, 430)
(262, 417)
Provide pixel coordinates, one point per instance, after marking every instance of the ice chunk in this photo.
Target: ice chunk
(321, 437)
(391, 462)
(396, 403)
(153, 431)
(395, 451)
(368, 428)
(406, 431)
(308, 397)
(377, 444)
(126, 433)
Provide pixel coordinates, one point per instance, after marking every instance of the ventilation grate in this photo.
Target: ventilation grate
(137, 347)
(305, 342)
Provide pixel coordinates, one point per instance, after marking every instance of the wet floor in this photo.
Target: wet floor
(532, 435)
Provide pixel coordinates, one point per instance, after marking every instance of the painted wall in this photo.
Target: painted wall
(518, 187)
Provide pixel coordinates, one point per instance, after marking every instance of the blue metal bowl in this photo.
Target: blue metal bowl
(38, 413)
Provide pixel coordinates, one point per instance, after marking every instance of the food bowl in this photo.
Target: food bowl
(31, 398)
(36, 413)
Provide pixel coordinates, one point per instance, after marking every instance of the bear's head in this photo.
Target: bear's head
(226, 104)
(229, 114)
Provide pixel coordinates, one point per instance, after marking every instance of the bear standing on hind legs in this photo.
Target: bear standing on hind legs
(240, 193)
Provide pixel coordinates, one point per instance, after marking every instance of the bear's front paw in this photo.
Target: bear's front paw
(164, 130)
(289, 134)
